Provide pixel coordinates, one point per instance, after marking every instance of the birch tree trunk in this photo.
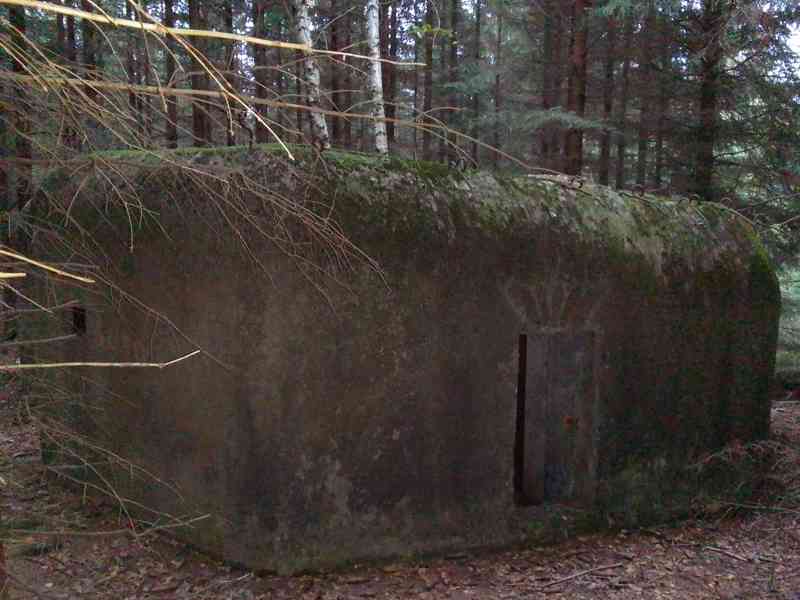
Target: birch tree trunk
(375, 78)
(311, 77)
(299, 114)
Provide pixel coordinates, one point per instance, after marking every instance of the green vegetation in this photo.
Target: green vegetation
(787, 365)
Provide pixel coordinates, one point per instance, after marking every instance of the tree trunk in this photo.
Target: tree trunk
(619, 179)
(476, 100)
(22, 127)
(171, 129)
(665, 78)
(333, 71)
(498, 98)
(230, 70)
(576, 100)
(279, 78)
(347, 133)
(201, 127)
(71, 51)
(442, 78)
(454, 73)
(645, 95)
(260, 69)
(146, 78)
(710, 57)
(547, 80)
(390, 91)
(71, 138)
(61, 34)
(311, 77)
(374, 77)
(415, 78)
(299, 114)
(130, 67)
(15, 200)
(552, 76)
(5, 152)
(89, 49)
(608, 102)
(280, 82)
(427, 104)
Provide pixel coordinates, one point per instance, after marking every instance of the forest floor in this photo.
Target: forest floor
(735, 554)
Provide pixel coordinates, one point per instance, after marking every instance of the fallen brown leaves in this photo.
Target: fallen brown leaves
(749, 556)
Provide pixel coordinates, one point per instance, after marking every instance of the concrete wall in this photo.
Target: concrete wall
(340, 415)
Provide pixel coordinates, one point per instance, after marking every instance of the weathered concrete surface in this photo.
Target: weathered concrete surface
(339, 415)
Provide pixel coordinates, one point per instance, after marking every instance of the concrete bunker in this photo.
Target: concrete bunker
(529, 345)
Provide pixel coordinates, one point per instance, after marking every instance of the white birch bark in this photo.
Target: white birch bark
(311, 77)
(375, 79)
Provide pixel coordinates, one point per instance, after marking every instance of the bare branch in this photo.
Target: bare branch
(158, 29)
(123, 365)
(41, 265)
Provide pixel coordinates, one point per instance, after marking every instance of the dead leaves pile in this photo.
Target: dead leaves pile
(747, 557)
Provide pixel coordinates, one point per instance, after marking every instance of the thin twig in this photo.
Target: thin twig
(581, 574)
(49, 309)
(158, 29)
(726, 553)
(123, 365)
(434, 128)
(44, 266)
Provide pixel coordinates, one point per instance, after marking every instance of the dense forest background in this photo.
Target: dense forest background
(691, 97)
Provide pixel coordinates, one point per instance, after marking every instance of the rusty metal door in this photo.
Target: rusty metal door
(557, 440)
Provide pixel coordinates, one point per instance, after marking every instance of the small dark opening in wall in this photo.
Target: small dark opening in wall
(519, 432)
(78, 320)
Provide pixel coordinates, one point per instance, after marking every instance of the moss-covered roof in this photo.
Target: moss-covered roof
(374, 197)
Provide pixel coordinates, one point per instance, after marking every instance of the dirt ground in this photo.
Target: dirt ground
(735, 554)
